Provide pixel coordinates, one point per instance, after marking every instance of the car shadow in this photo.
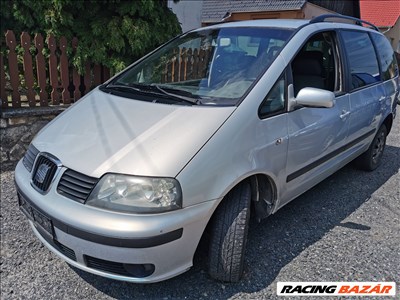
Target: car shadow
(273, 243)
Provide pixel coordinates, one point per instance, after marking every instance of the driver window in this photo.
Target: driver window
(316, 65)
(275, 101)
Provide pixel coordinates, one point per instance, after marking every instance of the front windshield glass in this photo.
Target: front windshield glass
(209, 67)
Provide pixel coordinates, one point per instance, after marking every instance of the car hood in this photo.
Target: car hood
(103, 133)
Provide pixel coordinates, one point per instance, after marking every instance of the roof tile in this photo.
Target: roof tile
(382, 13)
(215, 10)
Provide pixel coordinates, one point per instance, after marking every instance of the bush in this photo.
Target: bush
(113, 33)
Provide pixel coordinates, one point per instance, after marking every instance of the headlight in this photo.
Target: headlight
(136, 194)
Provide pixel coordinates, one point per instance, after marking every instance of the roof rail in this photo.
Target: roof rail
(322, 18)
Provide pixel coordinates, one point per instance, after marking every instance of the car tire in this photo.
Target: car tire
(372, 158)
(228, 236)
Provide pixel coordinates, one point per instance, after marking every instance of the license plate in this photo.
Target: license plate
(40, 221)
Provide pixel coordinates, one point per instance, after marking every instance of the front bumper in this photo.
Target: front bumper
(104, 243)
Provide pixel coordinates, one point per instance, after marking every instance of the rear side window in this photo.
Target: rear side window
(362, 58)
(386, 56)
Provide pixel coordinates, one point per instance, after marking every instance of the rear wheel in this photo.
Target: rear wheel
(228, 235)
(371, 159)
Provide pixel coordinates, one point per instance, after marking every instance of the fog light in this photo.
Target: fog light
(139, 270)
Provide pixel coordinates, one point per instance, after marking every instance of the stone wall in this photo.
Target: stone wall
(17, 129)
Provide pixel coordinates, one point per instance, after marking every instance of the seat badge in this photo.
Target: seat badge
(41, 173)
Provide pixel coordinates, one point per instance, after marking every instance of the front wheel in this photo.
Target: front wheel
(371, 159)
(228, 235)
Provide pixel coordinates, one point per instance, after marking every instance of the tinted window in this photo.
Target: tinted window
(386, 56)
(362, 58)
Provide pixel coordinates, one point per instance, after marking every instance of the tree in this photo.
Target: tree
(111, 32)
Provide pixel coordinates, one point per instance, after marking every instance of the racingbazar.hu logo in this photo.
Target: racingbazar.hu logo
(336, 289)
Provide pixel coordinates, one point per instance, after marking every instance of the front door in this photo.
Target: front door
(316, 135)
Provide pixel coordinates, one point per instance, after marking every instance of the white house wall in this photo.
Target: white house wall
(394, 35)
(188, 13)
(311, 10)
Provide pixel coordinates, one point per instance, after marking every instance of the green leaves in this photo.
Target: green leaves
(110, 32)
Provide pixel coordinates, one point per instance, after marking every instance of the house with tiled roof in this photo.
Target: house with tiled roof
(235, 10)
(194, 13)
(385, 14)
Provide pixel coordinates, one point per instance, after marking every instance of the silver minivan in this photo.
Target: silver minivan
(219, 125)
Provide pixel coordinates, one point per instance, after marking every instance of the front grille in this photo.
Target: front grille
(130, 270)
(43, 173)
(76, 186)
(68, 252)
(29, 157)
(106, 266)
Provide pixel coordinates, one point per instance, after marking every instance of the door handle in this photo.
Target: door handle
(381, 99)
(344, 114)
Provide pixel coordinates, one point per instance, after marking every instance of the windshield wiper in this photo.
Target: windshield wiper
(150, 89)
(191, 99)
(124, 88)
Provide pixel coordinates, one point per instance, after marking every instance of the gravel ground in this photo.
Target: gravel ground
(345, 229)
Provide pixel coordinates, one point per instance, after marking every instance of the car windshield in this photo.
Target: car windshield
(208, 67)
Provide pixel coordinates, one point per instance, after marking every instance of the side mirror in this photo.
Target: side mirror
(313, 97)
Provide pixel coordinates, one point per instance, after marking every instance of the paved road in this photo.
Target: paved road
(345, 229)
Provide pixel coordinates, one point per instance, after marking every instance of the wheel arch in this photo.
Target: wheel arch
(263, 195)
(388, 122)
(263, 188)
